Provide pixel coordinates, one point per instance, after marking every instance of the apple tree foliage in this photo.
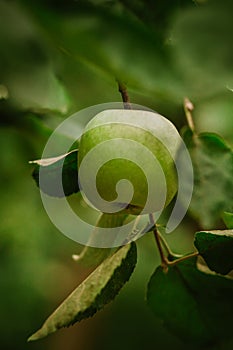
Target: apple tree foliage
(164, 51)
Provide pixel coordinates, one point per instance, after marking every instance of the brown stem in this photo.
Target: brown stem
(124, 94)
(165, 263)
(160, 249)
(188, 108)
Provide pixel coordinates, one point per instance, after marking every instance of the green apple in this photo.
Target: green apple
(134, 145)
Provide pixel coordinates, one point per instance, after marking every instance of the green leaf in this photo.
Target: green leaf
(212, 161)
(137, 227)
(101, 42)
(27, 65)
(48, 173)
(202, 38)
(94, 293)
(195, 306)
(216, 247)
(91, 256)
(228, 219)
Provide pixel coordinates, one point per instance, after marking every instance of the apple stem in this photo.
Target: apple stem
(124, 94)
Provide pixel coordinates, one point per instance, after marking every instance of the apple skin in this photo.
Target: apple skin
(145, 128)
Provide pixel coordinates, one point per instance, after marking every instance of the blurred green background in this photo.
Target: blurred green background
(57, 57)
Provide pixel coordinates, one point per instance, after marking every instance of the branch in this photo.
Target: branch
(165, 262)
(159, 245)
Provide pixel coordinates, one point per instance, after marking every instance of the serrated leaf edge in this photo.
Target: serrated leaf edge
(50, 326)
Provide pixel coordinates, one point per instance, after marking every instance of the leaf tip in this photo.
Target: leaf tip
(35, 336)
(41, 333)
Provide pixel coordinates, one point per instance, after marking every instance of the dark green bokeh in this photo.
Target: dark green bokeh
(57, 57)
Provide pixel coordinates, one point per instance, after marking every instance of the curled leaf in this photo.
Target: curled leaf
(53, 171)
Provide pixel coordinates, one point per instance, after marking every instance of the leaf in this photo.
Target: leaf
(195, 306)
(27, 63)
(216, 247)
(94, 293)
(155, 14)
(202, 39)
(91, 256)
(101, 42)
(228, 219)
(136, 228)
(212, 161)
(49, 172)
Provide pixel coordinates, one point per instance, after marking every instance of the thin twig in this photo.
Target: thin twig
(188, 108)
(185, 257)
(160, 249)
(124, 94)
(165, 263)
(166, 246)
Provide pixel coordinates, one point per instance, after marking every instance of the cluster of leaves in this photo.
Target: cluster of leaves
(193, 299)
(172, 44)
(162, 49)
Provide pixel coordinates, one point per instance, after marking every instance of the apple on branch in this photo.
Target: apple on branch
(127, 161)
